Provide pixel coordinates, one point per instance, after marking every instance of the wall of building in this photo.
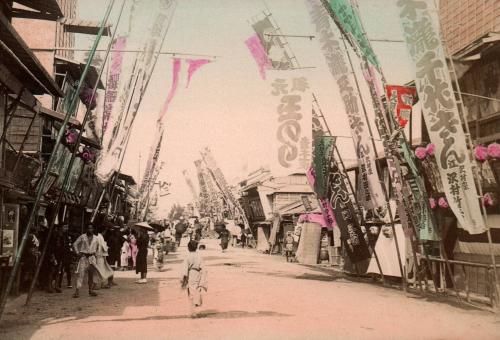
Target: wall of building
(463, 21)
(46, 34)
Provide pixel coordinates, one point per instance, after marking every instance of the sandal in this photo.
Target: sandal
(92, 293)
(76, 295)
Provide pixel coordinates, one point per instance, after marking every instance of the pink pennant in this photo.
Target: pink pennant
(194, 65)
(173, 89)
(259, 54)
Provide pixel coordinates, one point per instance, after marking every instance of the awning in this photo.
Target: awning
(84, 26)
(59, 116)
(22, 63)
(75, 69)
(478, 47)
(127, 178)
(39, 9)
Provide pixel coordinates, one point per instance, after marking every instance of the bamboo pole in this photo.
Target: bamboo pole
(39, 193)
(384, 189)
(350, 186)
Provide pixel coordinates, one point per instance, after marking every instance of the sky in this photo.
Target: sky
(228, 107)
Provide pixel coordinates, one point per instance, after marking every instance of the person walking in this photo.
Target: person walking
(102, 266)
(85, 246)
(224, 239)
(142, 257)
(64, 256)
(194, 277)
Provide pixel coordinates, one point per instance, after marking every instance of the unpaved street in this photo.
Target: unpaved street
(251, 296)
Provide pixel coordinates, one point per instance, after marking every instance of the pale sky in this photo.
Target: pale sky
(228, 106)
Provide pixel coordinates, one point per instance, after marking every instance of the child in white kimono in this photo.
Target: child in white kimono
(194, 277)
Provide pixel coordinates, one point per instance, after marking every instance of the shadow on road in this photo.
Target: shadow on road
(208, 314)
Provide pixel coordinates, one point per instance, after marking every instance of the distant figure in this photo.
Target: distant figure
(125, 253)
(133, 249)
(289, 241)
(224, 239)
(64, 256)
(86, 246)
(142, 257)
(194, 277)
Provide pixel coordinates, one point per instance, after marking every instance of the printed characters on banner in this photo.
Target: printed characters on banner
(441, 113)
(132, 86)
(345, 216)
(317, 127)
(113, 80)
(293, 123)
(346, 17)
(323, 151)
(337, 64)
(274, 46)
(406, 97)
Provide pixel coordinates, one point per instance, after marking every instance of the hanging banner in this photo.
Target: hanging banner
(273, 44)
(221, 183)
(441, 113)
(323, 150)
(345, 216)
(336, 61)
(389, 147)
(131, 88)
(293, 137)
(182, 72)
(406, 97)
(346, 17)
(259, 54)
(113, 80)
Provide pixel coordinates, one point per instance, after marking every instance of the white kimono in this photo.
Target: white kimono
(196, 272)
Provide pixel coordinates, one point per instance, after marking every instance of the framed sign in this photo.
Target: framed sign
(10, 231)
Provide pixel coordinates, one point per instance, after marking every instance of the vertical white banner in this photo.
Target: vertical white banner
(339, 68)
(441, 112)
(292, 118)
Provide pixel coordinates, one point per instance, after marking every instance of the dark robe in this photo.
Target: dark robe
(141, 264)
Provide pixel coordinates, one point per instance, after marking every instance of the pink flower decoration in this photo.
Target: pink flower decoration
(87, 98)
(443, 203)
(487, 200)
(87, 155)
(494, 150)
(432, 203)
(421, 153)
(481, 153)
(71, 136)
(430, 148)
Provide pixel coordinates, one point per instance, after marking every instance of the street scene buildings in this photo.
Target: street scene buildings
(313, 169)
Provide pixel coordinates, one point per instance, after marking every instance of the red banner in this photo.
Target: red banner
(407, 96)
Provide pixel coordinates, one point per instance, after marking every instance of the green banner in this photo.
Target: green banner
(323, 147)
(346, 17)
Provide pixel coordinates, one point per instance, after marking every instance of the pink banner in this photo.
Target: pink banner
(194, 65)
(173, 89)
(259, 54)
(326, 208)
(113, 80)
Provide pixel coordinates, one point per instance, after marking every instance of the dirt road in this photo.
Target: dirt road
(251, 296)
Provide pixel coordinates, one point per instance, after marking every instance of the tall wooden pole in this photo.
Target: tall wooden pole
(70, 165)
(73, 102)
